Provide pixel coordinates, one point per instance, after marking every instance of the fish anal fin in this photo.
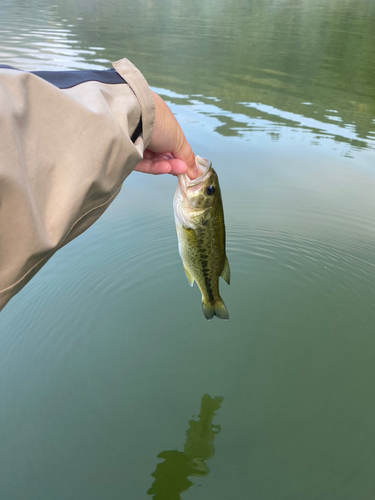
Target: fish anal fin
(225, 273)
(189, 277)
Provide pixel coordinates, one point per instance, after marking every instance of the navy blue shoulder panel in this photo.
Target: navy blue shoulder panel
(69, 79)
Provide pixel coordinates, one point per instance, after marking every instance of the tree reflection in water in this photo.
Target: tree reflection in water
(171, 475)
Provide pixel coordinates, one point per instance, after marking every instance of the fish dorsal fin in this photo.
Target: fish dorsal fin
(189, 277)
(225, 273)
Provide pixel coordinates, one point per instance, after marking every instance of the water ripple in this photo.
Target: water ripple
(324, 259)
(46, 43)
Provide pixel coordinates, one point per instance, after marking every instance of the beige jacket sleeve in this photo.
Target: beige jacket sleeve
(64, 155)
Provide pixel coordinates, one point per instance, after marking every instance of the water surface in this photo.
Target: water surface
(106, 358)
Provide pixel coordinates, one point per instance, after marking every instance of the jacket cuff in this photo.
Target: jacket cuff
(139, 86)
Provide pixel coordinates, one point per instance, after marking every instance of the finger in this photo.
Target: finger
(171, 166)
(167, 135)
(186, 154)
(178, 166)
(153, 167)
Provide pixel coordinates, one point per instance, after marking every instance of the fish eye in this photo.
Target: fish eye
(210, 190)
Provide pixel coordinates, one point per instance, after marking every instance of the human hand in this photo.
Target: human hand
(168, 151)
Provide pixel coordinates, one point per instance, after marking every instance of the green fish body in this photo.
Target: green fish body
(199, 217)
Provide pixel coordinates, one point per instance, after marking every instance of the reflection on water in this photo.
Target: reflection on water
(171, 475)
(43, 40)
(248, 118)
(267, 63)
(274, 52)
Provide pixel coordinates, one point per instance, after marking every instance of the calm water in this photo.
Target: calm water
(112, 383)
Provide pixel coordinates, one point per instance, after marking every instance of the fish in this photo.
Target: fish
(199, 218)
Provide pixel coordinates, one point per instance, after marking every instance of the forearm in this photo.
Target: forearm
(64, 156)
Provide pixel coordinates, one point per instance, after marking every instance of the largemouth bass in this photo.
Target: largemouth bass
(199, 217)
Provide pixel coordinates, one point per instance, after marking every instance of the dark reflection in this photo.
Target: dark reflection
(171, 475)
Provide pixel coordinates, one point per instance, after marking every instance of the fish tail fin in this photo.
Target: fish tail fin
(217, 308)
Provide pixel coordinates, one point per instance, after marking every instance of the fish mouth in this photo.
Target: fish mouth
(203, 166)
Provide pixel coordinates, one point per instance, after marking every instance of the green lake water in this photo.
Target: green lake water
(112, 383)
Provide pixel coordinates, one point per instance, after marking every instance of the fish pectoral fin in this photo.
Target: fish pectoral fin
(225, 273)
(189, 277)
(207, 219)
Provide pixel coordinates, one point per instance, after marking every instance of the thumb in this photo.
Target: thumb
(168, 137)
(186, 154)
